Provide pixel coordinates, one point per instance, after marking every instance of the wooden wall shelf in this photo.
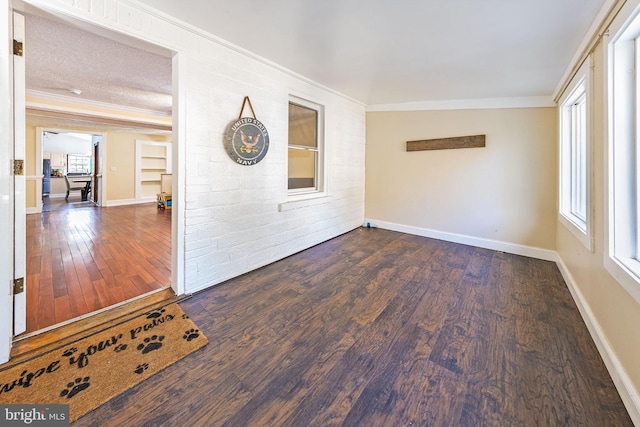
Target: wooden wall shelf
(473, 141)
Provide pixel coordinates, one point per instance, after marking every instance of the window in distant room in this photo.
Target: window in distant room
(305, 147)
(575, 156)
(78, 164)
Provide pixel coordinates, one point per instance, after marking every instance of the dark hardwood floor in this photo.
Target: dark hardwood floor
(81, 258)
(378, 328)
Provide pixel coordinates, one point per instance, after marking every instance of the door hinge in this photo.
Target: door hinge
(17, 48)
(18, 167)
(18, 286)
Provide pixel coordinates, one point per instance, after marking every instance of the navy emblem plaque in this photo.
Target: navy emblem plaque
(247, 141)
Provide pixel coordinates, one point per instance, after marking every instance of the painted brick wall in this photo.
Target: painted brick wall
(238, 218)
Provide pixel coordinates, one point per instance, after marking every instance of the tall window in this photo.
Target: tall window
(574, 157)
(305, 146)
(623, 153)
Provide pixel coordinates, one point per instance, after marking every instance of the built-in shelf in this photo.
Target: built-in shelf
(153, 159)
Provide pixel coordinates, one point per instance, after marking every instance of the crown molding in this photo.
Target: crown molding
(95, 104)
(468, 104)
(608, 10)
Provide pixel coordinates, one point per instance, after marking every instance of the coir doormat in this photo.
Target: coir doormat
(92, 370)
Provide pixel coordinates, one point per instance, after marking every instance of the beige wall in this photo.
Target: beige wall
(505, 191)
(30, 151)
(613, 309)
(121, 163)
(30, 168)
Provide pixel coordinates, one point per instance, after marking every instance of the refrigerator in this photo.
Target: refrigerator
(46, 176)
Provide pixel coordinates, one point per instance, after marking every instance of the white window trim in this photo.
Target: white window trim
(622, 111)
(581, 228)
(321, 186)
(88, 158)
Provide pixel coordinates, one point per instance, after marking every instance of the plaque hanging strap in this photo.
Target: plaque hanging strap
(246, 98)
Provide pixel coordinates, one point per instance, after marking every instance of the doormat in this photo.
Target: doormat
(92, 370)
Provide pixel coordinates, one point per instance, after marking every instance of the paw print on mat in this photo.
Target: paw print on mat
(151, 343)
(120, 347)
(141, 368)
(75, 387)
(154, 314)
(191, 334)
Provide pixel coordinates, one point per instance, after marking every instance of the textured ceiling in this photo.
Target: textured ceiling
(60, 58)
(383, 51)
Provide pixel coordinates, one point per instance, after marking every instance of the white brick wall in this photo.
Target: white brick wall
(236, 218)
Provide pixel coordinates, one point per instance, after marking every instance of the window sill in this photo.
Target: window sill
(303, 200)
(627, 272)
(583, 236)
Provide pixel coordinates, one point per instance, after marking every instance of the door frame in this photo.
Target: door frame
(84, 20)
(6, 188)
(19, 179)
(40, 150)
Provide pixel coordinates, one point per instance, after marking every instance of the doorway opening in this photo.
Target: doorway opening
(71, 168)
(92, 245)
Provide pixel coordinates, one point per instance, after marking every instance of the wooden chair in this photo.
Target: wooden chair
(70, 188)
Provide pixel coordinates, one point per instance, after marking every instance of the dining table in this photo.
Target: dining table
(87, 186)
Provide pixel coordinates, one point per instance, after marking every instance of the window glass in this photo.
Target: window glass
(622, 258)
(79, 164)
(304, 147)
(574, 203)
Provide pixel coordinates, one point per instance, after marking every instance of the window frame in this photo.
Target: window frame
(622, 163)
(88, 162)
(319, 150)
(575, 210)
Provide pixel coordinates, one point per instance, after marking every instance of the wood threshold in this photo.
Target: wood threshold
(31, 346)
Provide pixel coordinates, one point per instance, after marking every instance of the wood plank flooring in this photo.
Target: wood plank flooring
(378, 328)
(81, 258)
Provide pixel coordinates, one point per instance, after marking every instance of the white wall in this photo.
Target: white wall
(236, 218)
(232, 220)
(502, 196)
(67, 144)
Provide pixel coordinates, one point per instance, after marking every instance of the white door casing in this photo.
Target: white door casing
(19, 190)
(6, 186)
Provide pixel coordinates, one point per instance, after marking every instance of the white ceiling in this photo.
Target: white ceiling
(375, 51)
(397, 51)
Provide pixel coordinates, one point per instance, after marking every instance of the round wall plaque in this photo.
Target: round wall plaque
(247, 141)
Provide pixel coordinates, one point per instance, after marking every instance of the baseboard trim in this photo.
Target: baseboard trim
(512, 248)
(623, 383)
(124, 202)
